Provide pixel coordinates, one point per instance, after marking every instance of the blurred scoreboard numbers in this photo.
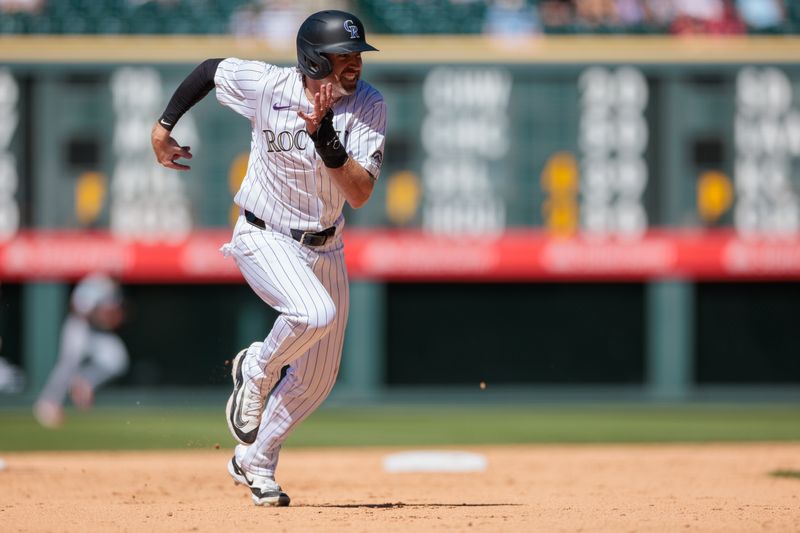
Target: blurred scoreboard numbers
(613, 137)
(9, 177)
(465, 134)
(767, 147)
(149, 202)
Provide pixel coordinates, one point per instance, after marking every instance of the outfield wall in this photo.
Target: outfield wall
(567, 214)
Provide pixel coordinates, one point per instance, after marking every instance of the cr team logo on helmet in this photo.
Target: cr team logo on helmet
(328, 32)
(352, 28)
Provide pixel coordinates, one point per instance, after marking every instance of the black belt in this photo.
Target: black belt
(309, 238)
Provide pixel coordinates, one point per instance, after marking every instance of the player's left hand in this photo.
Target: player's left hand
(167, 149)
(323, 100)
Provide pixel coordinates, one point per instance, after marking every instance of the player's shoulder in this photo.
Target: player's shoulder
(285, 73)
(367, 95)
(235, 66)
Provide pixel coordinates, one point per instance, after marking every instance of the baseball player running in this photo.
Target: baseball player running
(317, 141)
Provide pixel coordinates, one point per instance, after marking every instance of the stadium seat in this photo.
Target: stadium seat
(213, 17)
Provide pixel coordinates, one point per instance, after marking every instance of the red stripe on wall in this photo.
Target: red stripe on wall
(392, 255)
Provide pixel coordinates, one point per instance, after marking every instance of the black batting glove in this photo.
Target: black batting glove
(327, 143)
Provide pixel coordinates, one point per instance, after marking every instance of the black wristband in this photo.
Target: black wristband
(327, 143)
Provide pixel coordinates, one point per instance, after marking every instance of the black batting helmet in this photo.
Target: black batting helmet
(329, 32)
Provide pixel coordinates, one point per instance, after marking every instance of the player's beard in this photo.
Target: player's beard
(347, 86)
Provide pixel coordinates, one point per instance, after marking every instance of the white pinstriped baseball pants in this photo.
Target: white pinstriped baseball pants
(309, 288)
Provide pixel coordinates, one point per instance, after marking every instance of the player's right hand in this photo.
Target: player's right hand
(167, 149)
(323, 100)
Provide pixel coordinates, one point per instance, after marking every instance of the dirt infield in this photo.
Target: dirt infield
(525, 488)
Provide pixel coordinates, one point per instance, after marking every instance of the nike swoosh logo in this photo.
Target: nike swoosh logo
(237, 415)
(164, 122)
(277, 107)
(242, 473)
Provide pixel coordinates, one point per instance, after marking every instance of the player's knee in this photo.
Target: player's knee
(313, 324)
(320, 324)
(322, 319)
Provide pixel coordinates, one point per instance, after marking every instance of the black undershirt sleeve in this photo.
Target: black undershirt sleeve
(193, 89)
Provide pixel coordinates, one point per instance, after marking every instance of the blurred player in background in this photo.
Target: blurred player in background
(90, 352)
(12, 379)
(317, 141)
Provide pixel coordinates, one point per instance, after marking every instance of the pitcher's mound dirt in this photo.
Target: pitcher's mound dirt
(615, 488)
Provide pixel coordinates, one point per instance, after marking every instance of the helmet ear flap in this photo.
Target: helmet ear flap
(312, 63)
(321, 66)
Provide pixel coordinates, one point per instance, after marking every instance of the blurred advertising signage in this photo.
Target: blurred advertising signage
(66, 255)
(392, 255)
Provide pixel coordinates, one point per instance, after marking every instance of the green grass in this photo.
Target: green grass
(106, 428)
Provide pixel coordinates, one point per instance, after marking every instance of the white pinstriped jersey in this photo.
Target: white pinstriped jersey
(286, 184)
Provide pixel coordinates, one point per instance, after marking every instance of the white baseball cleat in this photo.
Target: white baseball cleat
(264, 490)
(245, 405)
